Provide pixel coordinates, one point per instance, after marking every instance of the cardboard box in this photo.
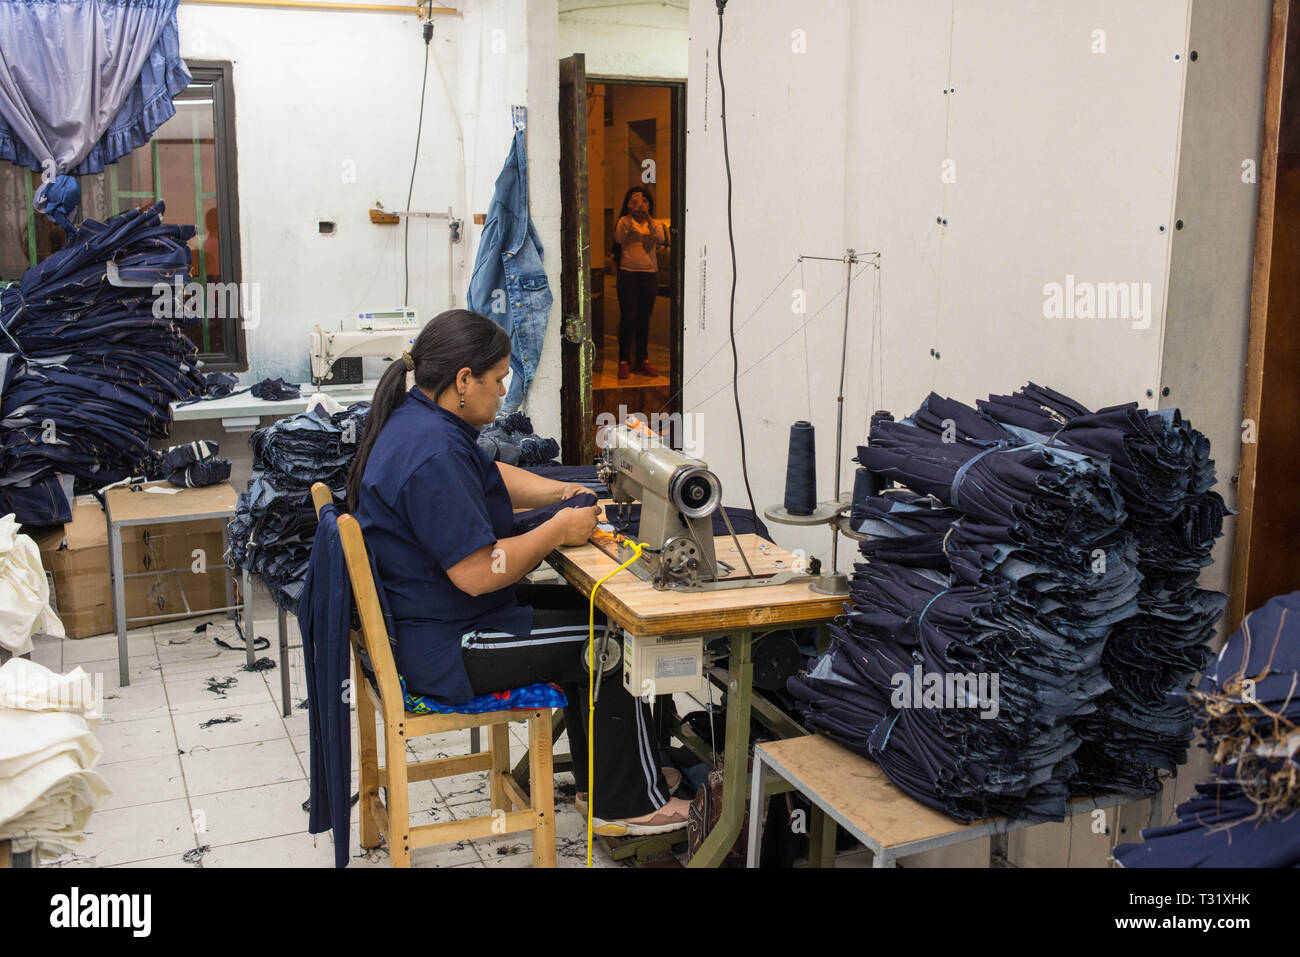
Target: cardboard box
(77, 557)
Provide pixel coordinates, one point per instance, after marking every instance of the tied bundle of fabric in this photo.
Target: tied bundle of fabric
(511, 439)
(91, 371)
(275, 522)
(1247, 708)
(194, 465)
(1164, 472)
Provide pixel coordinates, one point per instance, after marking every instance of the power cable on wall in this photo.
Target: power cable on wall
(415, 162)
(731, 240)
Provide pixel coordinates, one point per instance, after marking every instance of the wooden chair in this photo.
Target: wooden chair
(512, 809)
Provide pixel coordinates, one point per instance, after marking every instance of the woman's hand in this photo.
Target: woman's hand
(575, 524)
(570, 490)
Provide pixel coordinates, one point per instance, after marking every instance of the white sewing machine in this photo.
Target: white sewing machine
(336, 356)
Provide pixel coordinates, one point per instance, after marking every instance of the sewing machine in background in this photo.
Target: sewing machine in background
(336, 357)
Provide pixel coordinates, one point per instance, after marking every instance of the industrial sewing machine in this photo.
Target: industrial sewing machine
(678, 496)
(336, 356)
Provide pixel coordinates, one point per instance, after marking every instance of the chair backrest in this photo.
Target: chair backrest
(373, 636)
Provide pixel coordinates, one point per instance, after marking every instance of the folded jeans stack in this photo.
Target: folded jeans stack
(93, 370)
(275, 522)
(1247, 710)
(1164, 472)
(977, 588)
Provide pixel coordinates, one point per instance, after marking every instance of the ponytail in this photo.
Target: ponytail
(451, 341)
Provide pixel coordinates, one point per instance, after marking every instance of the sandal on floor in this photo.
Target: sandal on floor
(672, 777)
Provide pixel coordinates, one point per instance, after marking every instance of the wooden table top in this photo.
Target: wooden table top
(127, 506)
(860, 791)
(644, 610)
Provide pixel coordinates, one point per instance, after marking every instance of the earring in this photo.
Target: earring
(462, 400)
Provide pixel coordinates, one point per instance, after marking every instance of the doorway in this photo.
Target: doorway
(627, 299)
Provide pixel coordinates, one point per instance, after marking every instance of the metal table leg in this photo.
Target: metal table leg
(822, 831)
(284, 660)
(755, 800)
(250, 629)
(736, 755)
(118, 571)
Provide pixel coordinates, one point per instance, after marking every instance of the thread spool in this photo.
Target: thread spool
(866, 484)
(801, 471)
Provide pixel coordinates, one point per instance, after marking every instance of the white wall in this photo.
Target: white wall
(1065, 164)
(322, 98)
(621, 38)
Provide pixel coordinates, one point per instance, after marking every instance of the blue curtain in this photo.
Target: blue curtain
(84, 82)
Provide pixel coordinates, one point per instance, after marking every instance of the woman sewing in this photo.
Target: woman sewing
(438, 516)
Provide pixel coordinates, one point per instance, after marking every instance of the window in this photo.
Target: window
(190, 163)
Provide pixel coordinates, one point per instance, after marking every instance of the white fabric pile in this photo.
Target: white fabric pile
(47, 750)
(24, 592)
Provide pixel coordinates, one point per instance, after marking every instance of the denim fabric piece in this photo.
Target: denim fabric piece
(509, 283)
(93, 370)
(275, 522)
(511, 439)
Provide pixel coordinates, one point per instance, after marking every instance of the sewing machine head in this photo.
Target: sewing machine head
(678, 496)
(336, 356)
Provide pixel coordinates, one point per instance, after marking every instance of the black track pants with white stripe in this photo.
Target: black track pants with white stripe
(628, 780)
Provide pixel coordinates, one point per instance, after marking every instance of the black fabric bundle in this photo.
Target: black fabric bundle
(511, 439)
(193, 465)
(275, 521)
(1039, 555)
(93, 368)
(1247, 709)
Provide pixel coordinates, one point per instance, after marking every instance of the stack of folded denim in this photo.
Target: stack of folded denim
(1247, 709)
(92, 369)
(511, 439)
(965, 699)
(1163, 469)
(193, 465)
(982, 578)
(275, 522)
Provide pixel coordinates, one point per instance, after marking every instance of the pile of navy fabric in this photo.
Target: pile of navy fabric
(1247, 709)
(275, 521)
(511, 439)
(1062, 561)
(89, 370)
(1164, 472)
(973, 646)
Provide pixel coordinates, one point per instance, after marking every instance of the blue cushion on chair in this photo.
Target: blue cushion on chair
(526, 698)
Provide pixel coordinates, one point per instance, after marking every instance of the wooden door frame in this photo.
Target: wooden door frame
(1267, 525)
(578, 418)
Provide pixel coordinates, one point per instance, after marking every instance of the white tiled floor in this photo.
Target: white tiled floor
(193, 789)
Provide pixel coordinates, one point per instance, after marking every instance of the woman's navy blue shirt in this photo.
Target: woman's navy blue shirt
(430, 497)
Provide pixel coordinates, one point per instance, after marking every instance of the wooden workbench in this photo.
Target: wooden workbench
(739, 613)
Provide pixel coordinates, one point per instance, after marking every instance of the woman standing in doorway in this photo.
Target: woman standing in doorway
(638, 236)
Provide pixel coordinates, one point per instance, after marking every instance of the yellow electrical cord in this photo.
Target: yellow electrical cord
(591, 688)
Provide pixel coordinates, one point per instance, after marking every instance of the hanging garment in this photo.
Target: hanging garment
(24, 592)
(509, 283)
(83, 84)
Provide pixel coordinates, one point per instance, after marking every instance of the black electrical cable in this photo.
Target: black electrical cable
(731, 237)
(410, 190)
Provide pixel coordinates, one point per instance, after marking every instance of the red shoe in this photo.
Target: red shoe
(645, 368)
(624, 370)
